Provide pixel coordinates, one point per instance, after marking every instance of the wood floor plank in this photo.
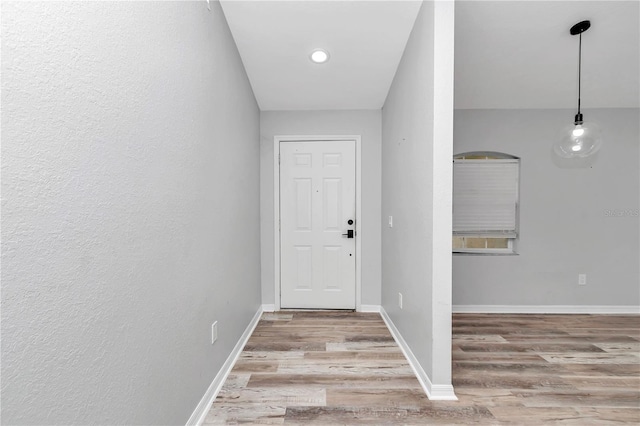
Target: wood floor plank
(347, 397)
(523, 368)
(347, 367)
(579, 398)
(253, 366)
(344, 368)
(248, 413)
(237, 381)
(388, 415)
(388, 345)
(529, 347)
(620, 347)
(602, 382)
(613, 415)
(278, 397)
(496, 357)
(534, 415)
(269, 355)
(488, 397)
(573, 338)
(333, 381)
(284, 346)
(351, 355)
(590, 358)
(475, 338)
(511, 381)
(630, 370)
(276, 316)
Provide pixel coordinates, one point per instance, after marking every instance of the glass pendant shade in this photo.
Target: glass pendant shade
(578, 141)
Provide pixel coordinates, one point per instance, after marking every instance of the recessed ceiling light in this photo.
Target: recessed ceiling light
(319, 56)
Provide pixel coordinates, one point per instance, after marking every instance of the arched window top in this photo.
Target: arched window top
(484, 155)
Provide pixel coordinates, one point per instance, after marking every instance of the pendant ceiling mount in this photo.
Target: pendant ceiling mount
(580, 27)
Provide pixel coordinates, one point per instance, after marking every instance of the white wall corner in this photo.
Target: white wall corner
(203, 407)
(369, 308)
(548, 309)
(434, 392)
(269, 307)
(442, 393)
(442, 190)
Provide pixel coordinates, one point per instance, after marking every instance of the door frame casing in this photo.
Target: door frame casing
(277, 140)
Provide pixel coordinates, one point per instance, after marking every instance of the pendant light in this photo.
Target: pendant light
(582, 139)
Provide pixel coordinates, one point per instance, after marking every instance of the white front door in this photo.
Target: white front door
(317, 206)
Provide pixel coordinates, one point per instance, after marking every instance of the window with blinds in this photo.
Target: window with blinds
(485, 202)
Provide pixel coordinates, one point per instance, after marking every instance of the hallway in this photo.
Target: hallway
(141, 212)
(330, 368)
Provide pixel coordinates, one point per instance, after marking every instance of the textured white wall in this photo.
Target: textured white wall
(357, 122)
(130, 209)
(417, 121)
(564, 226)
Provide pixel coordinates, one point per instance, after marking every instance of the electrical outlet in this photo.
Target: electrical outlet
(400, 300)
(214, 332)
(582, 279)
(390, 221)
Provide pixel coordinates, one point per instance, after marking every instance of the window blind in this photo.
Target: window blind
(485, 197)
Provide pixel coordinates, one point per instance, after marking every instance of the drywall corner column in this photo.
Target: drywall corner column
(417, 140)
(407, 170)
(443, 48)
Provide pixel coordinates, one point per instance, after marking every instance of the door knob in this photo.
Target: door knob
(349, 233)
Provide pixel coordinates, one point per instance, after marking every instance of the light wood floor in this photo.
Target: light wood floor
(339, 368)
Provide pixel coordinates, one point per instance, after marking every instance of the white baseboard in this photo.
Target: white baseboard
(269, 308)
(210, 395)
(369, 308)
(363, 308)
(547, 309)
(434, 392)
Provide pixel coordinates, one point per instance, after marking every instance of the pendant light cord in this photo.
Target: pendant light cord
(578, 29)
(579, 70)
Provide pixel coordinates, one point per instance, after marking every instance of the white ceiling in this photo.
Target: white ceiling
(365, 40)
(519, 54)
(509, 54)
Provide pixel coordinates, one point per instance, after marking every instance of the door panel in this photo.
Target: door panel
(317, 199)
(303, 204)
